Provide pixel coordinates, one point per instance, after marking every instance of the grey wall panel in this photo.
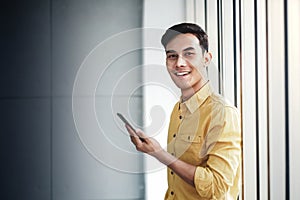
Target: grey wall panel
(124, 69)
(43, 44)
(79, 26)
(84, 161)
(25, 48)
(25, 149)
(97, 162)
(24, 100)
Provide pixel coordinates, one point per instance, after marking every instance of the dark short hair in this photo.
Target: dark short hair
(186, 28)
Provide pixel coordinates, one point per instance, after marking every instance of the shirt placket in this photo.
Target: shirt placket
(181, 115)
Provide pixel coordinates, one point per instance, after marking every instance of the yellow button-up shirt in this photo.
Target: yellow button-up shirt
(205, 131)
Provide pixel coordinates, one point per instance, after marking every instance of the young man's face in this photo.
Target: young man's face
(186, 63)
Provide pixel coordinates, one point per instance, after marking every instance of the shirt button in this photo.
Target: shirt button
(172, 154)
(172, 172)
(174, 135)
(172, 193)
(180, 117)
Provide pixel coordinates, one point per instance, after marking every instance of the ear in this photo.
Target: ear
(207, 57)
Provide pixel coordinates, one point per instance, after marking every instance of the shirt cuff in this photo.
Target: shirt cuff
(203, 180)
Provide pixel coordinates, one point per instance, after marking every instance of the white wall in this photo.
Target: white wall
(160, 94)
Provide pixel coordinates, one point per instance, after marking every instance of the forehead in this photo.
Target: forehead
(183, 41)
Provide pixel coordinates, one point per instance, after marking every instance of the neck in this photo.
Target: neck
(189, 92)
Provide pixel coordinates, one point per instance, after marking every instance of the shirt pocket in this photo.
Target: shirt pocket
(188, 148)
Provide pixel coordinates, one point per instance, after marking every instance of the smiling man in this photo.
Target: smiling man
(204, 137)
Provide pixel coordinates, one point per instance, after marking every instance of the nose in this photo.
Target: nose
(181, 62)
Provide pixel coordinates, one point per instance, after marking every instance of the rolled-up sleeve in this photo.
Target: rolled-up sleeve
(223, 149)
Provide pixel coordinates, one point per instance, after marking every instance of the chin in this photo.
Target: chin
(184, 86)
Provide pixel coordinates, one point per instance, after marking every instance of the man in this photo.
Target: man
(204, 137)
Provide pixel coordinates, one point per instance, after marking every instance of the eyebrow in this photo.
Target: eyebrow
(186, 49)
(170, 51)
(189, 48)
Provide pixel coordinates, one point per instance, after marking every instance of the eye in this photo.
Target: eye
(172, 56)
(188, 53)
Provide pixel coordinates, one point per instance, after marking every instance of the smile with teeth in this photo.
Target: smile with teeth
(182, 73)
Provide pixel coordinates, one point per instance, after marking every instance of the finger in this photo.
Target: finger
(130, 130)
(142, 135)
(134, 140)
(133, 136)
(137, 142)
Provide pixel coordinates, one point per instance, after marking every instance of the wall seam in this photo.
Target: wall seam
(241, 93)
(234, 53)
(256, 102)
(268, 98)
(220, 46)
(51, 98)
(287, 156)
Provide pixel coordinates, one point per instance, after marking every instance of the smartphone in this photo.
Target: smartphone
(126, 122)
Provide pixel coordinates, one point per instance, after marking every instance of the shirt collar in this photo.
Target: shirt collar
(198, 98)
